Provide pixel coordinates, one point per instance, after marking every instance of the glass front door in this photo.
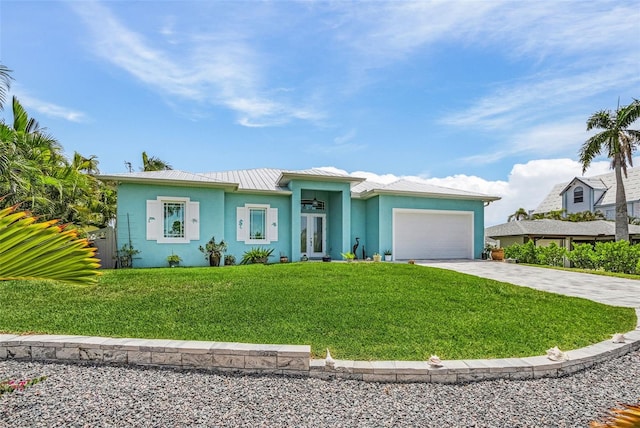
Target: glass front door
(313, 235)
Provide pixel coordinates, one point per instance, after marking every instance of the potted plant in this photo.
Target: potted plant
(173, 260)
(229, 260)
(283, 258)
(497, 254)
(387, 255)
(125, 256)
(326, 258)
(213, 251)
(377, 257)
(256, 255)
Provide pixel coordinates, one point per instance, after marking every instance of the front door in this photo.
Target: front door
(313, 235)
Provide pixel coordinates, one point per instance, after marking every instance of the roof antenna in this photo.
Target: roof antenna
(128, 165)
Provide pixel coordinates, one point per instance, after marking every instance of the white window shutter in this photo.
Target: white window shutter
(272, 224)
(154, 220)
(242, 224)
(193, 221)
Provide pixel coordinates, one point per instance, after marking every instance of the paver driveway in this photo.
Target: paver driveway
(603, 289)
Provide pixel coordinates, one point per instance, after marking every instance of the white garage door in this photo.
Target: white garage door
(431, 234)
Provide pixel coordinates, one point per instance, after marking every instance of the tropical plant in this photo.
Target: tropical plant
(348, 256)
(5, 84)
(619, 143)
(256, 255)
(619, 256)
(551, 255)
(585, 216)
(173, 259)
(628, 415)
(32, 250)
(152, 163)
(213, 251)
(523, 253)
(125, 255)
(583, 256)
(387, 252)
(520, 214)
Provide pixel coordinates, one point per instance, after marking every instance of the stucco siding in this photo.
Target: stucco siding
(507, 241)
(132, 222)
(238, 248)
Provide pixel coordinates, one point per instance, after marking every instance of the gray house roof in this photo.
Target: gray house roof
(553, 201)
(556, 228)
(275, 181)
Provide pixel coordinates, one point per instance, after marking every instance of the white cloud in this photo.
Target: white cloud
(542, 140)
(219, 69)
(526, 186)
(350, 135)
(50, 109)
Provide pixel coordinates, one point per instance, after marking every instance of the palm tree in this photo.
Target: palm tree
(153, 163)
(520, 214)
(619, 142)
(5, 83)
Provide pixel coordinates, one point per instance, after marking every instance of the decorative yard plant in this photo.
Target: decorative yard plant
(256, 255)
(32, 250)
(213, 251)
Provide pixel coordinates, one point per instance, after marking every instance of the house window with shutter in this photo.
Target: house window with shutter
(256, 224)
(578, 195)
(173, 220)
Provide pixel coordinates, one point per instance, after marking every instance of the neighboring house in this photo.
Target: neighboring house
(593, 194)
(297, 213)
(563, 233)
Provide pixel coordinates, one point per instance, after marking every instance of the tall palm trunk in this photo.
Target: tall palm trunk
(622, 217)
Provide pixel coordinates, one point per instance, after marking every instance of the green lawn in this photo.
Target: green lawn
(358, 310)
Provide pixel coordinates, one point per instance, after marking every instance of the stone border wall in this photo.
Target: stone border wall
(294, 360)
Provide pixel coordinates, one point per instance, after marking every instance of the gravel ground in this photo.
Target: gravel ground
(107, 396)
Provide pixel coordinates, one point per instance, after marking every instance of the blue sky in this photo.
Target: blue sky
(489, 96)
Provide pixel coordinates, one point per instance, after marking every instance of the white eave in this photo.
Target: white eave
(168, 178)
(374, 192)
(316, 175)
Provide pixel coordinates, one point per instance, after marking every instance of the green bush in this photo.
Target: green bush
(524, 253)
(617, 256)
(583, 256)
(256, 255)
(552, 255)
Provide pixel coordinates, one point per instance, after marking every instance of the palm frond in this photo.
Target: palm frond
(45, 250)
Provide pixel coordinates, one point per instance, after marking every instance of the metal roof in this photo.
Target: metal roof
(369, 189)
(553, 201)
(275, 180)
(552, 228)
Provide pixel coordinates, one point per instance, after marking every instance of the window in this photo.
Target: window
(256, 224)
(578, 195)
(173, 220)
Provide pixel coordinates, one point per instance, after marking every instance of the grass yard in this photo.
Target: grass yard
(359, 310)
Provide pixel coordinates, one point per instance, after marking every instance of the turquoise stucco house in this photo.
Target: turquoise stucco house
(309, 213)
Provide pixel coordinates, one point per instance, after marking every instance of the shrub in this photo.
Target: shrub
(583, 256)
(552, 255)
(229, 260)
(256, 255)
(524, 253)
(617, 256)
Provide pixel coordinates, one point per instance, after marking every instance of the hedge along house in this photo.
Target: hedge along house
(310, 213)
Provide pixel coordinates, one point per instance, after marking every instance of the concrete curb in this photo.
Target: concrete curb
(294, 360)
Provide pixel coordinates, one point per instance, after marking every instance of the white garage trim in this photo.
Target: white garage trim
(432, 234)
